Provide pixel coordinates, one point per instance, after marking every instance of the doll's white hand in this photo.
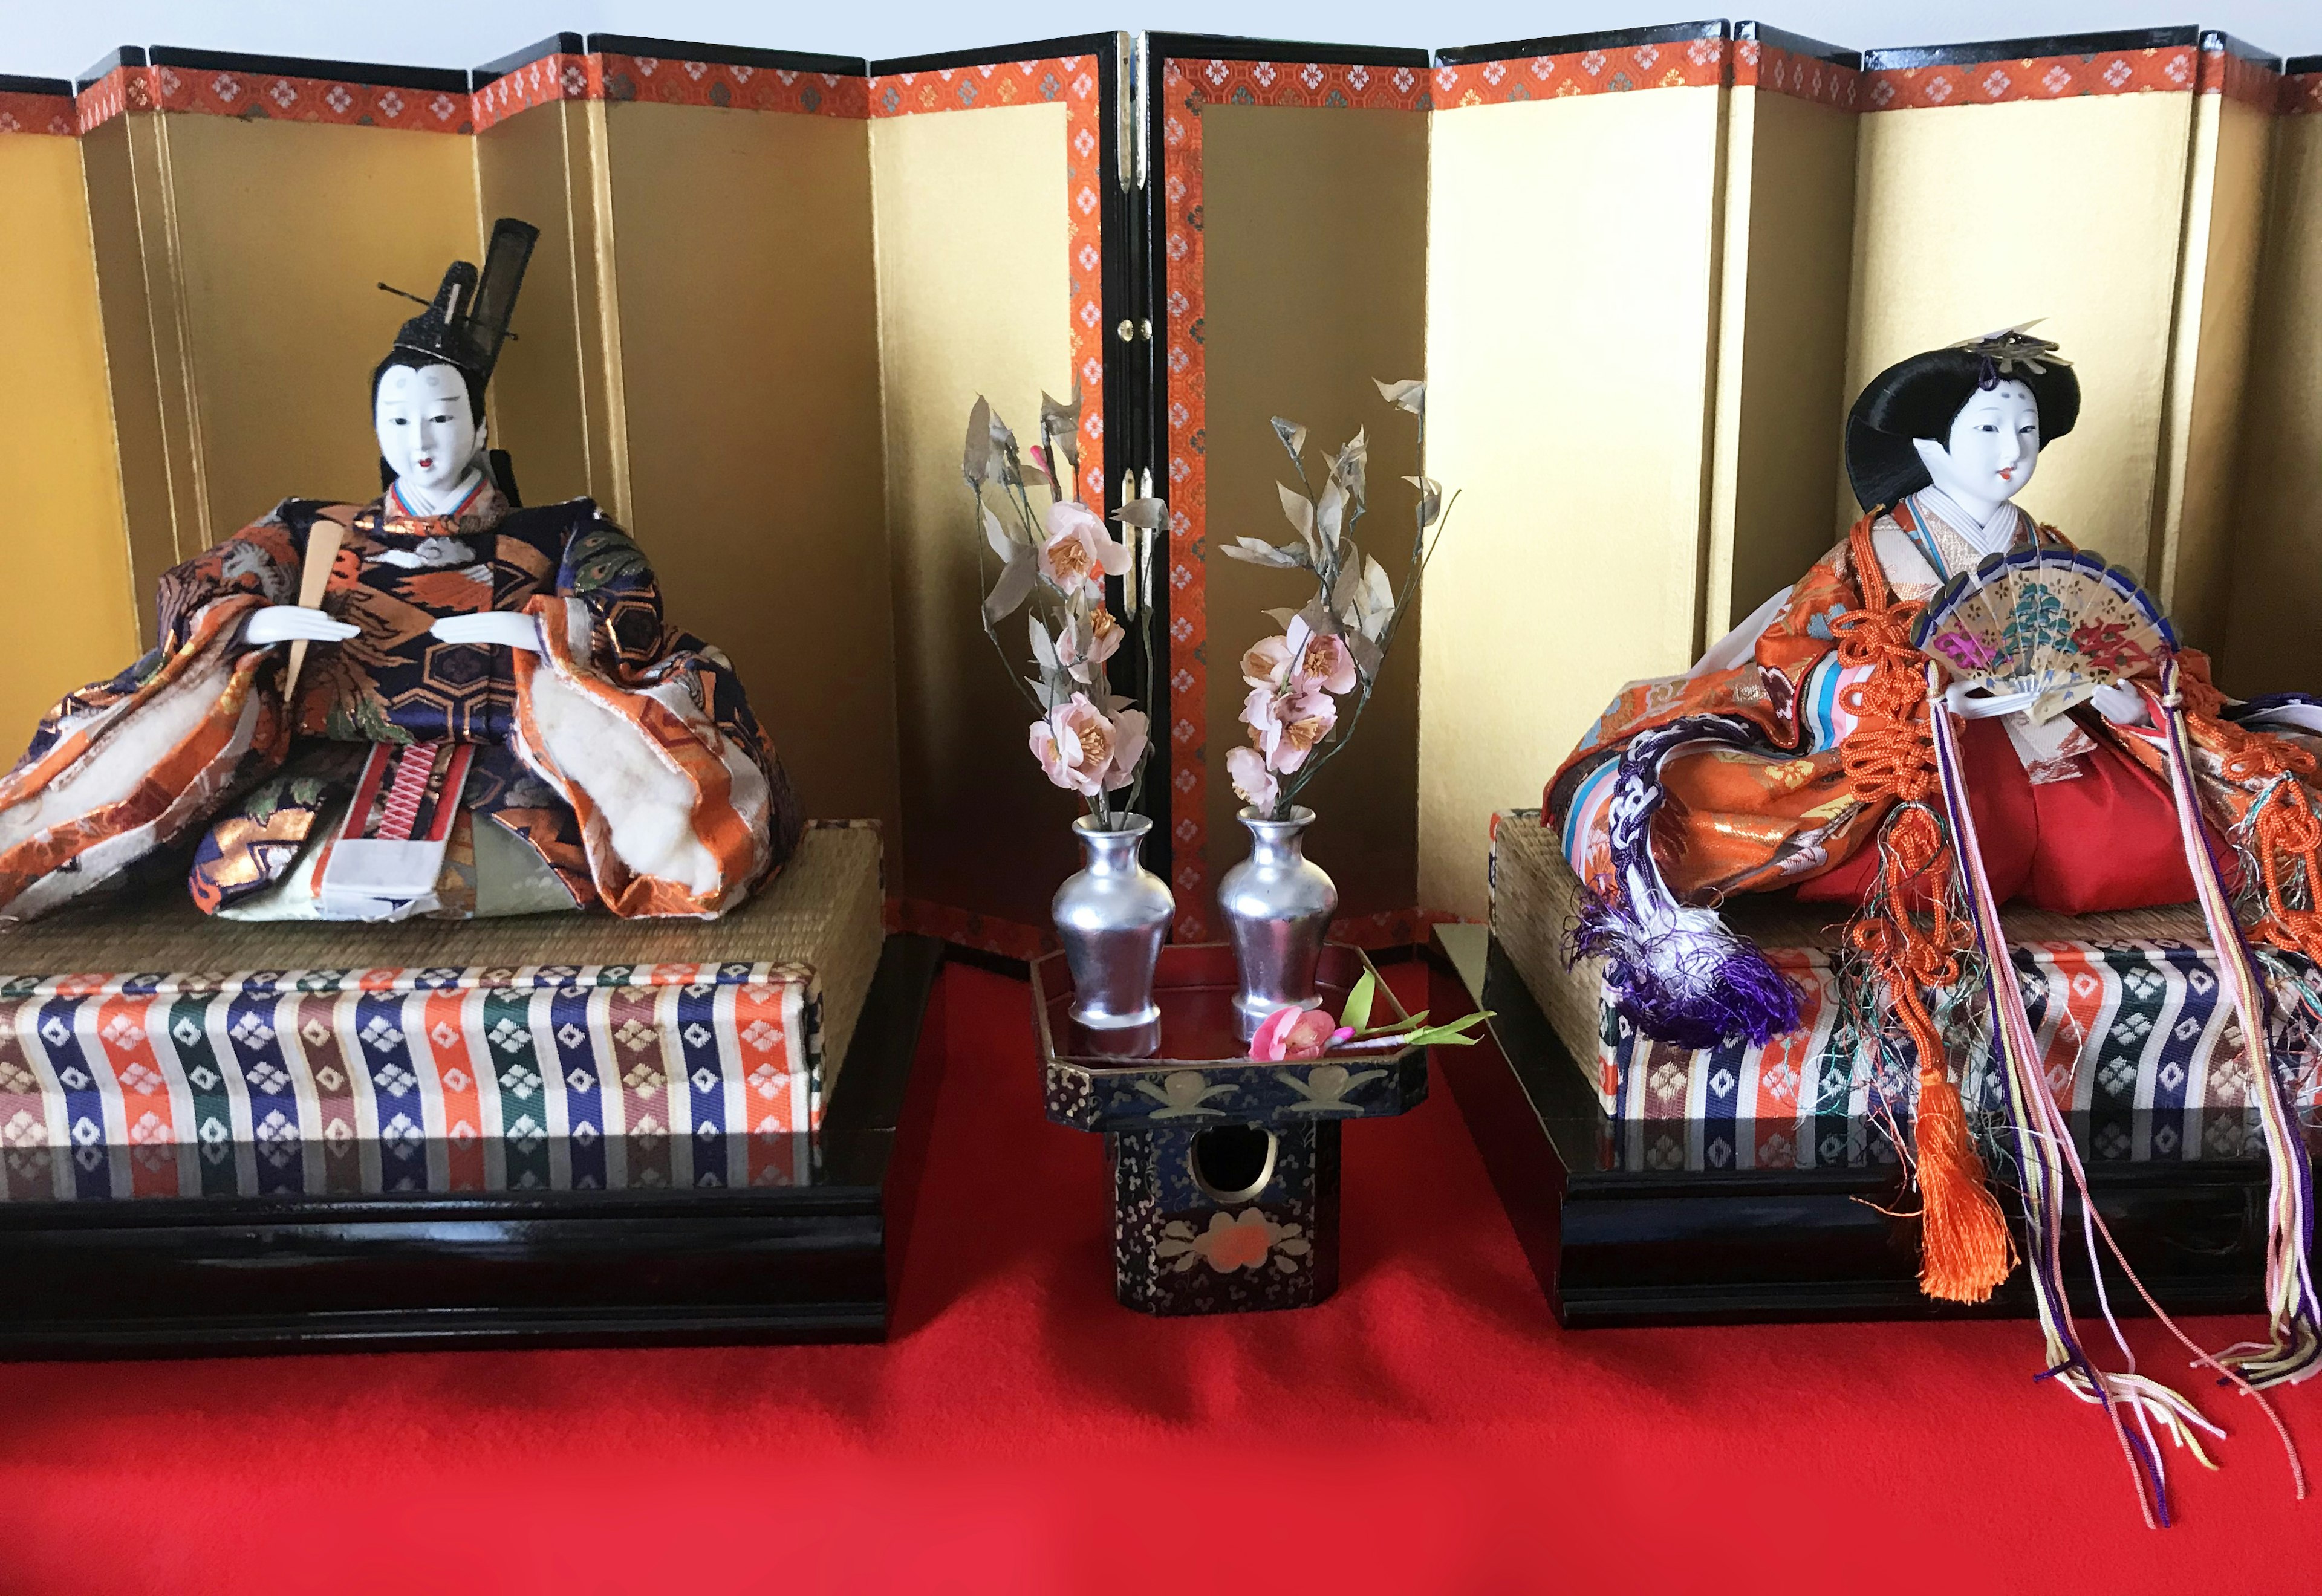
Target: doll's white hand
(286, 622)
(2121, 704)
(510, 628)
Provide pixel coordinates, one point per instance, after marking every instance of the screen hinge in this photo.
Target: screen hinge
(1130, 141)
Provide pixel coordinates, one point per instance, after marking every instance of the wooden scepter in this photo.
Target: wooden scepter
(323, 540)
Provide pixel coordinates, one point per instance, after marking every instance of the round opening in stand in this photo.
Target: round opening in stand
(1233, 1163)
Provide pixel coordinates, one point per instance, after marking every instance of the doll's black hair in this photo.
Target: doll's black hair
(416, 362)
(1922, 396)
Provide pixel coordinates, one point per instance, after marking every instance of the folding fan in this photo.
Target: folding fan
(2043, 629)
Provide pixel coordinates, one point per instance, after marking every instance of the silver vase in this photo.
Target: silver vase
(1278, 905)
(1111, 916)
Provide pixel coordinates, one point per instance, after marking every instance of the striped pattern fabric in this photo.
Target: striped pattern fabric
(571, 1077)
(2134, 1036)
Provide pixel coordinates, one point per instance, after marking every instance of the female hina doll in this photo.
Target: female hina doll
(437, 703)
(1828, 748)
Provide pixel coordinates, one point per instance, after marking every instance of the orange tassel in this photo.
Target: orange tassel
(1964, 1249)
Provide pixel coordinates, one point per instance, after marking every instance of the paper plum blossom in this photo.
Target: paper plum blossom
(1079, 554)
(1336, 644)
(1296, 1033)
(1104, 641)
(1246, 768)
(1288, 728)
(1055, 564)
(1290, 709)
(1081, 747)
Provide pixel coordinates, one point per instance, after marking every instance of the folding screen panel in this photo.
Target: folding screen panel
(994, 175)
(542, 155)
(2234, 106)
(1573, 230)
(1786, 251)
(66, 609)
(2271, 640)
(730, 299)
(1293, 270)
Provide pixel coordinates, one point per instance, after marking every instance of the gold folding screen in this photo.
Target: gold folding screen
(256, 242)
(714, 342)
(1573, 235)
(2271, 640)
(974, 299)
(66, 611)
(1644, 274)
(747, 410)
(1816, 217)
(553, 397)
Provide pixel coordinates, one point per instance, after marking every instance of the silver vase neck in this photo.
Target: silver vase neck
(1276, 842)
(1113, 852)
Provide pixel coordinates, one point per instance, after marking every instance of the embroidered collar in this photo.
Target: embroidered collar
(388, 519)
(1921, 516)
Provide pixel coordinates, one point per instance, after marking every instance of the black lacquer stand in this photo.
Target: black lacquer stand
(817, 1261)
(1225, 1168)
(1615, 1244)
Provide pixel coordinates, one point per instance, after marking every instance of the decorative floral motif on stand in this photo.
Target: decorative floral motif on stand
(1247, 1240)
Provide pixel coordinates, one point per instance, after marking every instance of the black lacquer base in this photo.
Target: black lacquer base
(1269, 1240)
(1614, 1245)
(817, 1261)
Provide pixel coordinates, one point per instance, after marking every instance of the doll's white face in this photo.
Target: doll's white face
(427, 433)
(1993, 449)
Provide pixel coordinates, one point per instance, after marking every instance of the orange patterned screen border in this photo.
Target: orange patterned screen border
(2171, 70)
(37, 114)
(650, 79)
(269, 98)
(2036, 77)
(1762, 66)
(1697, 62)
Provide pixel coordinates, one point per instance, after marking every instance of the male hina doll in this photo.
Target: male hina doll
(438, 703)
(1802, 754)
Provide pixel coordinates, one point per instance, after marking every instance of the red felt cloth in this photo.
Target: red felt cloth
(1430, 1428)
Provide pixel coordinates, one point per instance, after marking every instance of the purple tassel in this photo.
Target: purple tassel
(1675, 972)
(1690, 981)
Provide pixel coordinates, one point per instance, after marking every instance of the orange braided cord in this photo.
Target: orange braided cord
(1964, 1252)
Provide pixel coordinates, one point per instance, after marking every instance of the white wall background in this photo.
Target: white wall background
(58, 38)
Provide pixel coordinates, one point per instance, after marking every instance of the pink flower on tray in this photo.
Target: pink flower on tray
(1079, 746)
(1080, 554)
(1296, 1033)
(1247, 769)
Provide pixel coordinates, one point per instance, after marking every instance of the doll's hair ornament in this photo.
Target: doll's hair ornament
(2003, 351)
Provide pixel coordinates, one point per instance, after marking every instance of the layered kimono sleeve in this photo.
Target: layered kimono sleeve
(1759, 799)
(124, 767)
(643, 730)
